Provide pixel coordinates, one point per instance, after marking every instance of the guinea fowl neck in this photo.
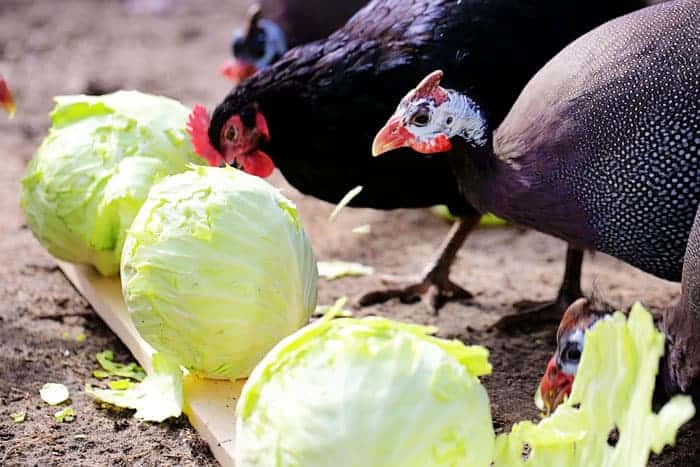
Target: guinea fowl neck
(518, 189)
(484, 178)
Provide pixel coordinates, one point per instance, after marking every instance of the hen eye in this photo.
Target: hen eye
(420, 118)
(230, 134)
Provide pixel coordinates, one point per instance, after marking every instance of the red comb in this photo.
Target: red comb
(198, 128)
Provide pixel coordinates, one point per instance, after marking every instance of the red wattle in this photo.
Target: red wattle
(198, 128)
(258, 163)
(441, 143)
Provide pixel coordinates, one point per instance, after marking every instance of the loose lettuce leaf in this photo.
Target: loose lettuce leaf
(612, 391)
(368, 393)
(66, 415)
(93, 171)
(336, 269)
(54, 393)
(106, 360)
(18, 417)
(334, 311)
(158, 397)
(363, 229)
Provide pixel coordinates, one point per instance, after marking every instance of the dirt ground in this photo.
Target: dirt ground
(174, 48)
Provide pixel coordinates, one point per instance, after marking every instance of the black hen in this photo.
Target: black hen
(273, 26)
(323, 102)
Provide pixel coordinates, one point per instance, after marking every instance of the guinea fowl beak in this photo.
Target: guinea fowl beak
(554, 388)
(238, 70)
(393, 135)
(6, 101)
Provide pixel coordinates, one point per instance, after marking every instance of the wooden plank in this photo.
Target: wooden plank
(209, 404)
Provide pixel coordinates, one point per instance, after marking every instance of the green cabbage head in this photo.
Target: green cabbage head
(217, 269)
(366, 393)
(93, 171)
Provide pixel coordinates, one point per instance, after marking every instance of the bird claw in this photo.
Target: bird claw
(434, 292)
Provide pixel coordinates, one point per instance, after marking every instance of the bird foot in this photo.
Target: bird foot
(433, 291)
(530, 312)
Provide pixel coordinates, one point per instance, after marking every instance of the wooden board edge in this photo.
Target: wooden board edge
(204, 397)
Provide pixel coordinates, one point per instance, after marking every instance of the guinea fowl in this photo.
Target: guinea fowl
(601, 149)
(286, 24)
(323, 101)
(6, 101)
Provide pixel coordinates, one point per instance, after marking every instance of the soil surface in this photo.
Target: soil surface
(174, 48)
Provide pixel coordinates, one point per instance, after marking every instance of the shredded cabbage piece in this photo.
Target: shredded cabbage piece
(336, 310)
(54, 393)
(332, 270)
(344, 202)
(364, 229)
(111, 368)
(66, 415)
(158, 397)
(612, 391)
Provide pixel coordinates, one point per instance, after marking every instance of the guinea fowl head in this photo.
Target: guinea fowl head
(232, 140)
(6, 101)
(260, 43)
(428, 117)
(561, 369)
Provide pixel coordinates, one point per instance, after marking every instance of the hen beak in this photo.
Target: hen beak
(392, 136)
(554, 388)
(238, 70)
(6, 101)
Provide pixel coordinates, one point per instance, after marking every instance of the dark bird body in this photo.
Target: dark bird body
(603, 146)
(601, 149)
(323, 101)
(308, 20)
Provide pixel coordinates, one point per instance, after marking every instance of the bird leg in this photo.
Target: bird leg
(538, 312)
(434, 285)
(680, 366)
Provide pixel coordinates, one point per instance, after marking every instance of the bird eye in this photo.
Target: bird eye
(230, 134)
(572, 353)
(420, 118)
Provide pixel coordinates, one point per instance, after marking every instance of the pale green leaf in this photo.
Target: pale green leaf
(65, 415)
(364, 229)
(613, 390)
(54, 393)
(158, 397)
(336, 269)
(344, 202)
(106, 360)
